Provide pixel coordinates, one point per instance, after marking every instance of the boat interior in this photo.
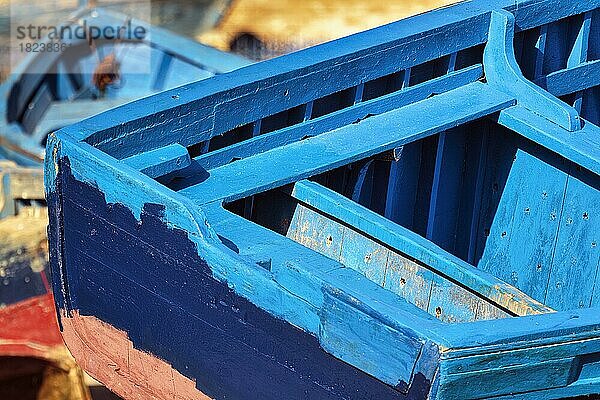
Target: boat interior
(476, 218)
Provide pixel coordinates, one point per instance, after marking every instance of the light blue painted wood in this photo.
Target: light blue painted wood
(574, 270)
(340, 118)
(343, 145)
(582, 148)
(160, 162)
(528, 17)
(529, 212)
(414, 246)
(570, 80)
(503, 73)
(344, 328)
(389, 269)
(408, 279)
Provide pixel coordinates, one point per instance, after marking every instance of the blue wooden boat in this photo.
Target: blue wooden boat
(50, 90)
(407, 213)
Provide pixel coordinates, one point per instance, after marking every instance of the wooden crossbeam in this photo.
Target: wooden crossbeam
(340, 118)
(350, 143)
(417, 247)
(160, 162)
(582, 148)
(572, 79)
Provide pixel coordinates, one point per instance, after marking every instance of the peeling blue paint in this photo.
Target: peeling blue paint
(250, 243)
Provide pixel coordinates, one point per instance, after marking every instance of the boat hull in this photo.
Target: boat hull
(227, 345)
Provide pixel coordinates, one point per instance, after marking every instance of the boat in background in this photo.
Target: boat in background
(52, 90)
(45, 93)
(411, 212)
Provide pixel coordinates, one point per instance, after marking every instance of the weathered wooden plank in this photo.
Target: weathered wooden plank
(343, 328)
(487, 311)
(452, 303)
(343, 244)
(574, 268)
(347, 144)
(529, 212)
(489, 383)
(408, 279)
(339, 118)
(364, 255)
(161, 161)
(416, 247)
(316, 232)
(391, 270)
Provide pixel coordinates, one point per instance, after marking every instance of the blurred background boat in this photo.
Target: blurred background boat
(45, 92)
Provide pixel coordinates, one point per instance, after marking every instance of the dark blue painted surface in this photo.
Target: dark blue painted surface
(160, 286)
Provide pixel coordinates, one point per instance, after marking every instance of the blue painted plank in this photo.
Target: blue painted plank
(340, 118)
(403, 181)
(582, 148)
(334, 336)
(574, 269)
(416, 247)
(447, 189)
(540, 55)
(344, 328)
(529, 212)
(571, 80)
(347, 144)
(580, 49)
(590, 107)
(545, 375)
(160, 162)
